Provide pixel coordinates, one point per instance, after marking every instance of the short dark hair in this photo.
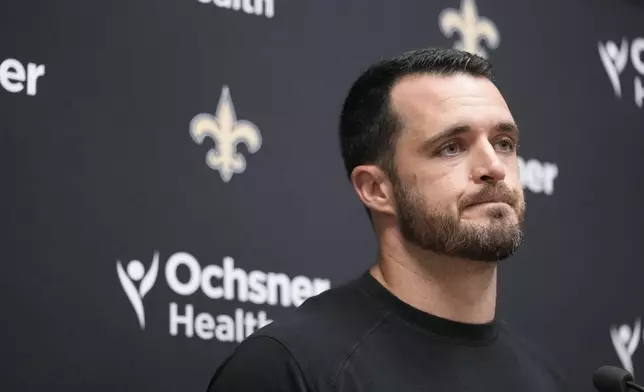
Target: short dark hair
(368, 125)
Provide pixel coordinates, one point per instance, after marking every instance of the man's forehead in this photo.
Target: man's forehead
(436, 99)
(421, 85)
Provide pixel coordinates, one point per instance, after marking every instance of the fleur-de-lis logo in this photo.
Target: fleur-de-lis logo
(227, 133)
(471, 27)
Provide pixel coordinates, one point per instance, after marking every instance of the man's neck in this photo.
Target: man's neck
(451, 288)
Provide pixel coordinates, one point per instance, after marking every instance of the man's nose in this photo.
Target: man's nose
(487, 167)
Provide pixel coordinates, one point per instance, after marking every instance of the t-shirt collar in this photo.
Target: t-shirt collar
(448, 329)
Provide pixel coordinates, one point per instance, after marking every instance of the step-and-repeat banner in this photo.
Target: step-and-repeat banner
(172, 180)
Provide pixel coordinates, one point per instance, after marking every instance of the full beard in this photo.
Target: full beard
(442, 232)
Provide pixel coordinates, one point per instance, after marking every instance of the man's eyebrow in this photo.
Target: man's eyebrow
(446, 134)
(506, 127)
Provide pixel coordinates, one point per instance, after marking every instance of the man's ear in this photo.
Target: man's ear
(373, 188)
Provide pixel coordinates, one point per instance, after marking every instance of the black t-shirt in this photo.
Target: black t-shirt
(360, 337)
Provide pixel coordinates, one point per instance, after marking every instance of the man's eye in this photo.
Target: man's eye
(450, 149)
(506, 145)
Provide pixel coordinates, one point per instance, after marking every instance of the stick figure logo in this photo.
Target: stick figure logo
(135, 273)
(625, 340)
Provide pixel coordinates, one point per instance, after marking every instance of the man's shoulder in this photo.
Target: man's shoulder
(259, 364)
(332, 320)
(317, 336)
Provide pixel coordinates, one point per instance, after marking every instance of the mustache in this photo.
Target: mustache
(493, 193)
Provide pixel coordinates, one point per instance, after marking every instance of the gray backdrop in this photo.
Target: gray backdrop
(113, 218)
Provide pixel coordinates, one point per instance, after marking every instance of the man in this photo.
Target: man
(430, 147)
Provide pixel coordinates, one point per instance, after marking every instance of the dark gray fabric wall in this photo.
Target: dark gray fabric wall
(133, 262)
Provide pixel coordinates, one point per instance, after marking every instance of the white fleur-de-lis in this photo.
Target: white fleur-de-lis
(471, 27)
(226, 132)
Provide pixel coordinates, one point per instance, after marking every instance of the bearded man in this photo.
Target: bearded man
(430, 147)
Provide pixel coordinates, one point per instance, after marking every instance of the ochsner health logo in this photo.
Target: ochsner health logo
(224, 281)
(626, 339)
(136, 272)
